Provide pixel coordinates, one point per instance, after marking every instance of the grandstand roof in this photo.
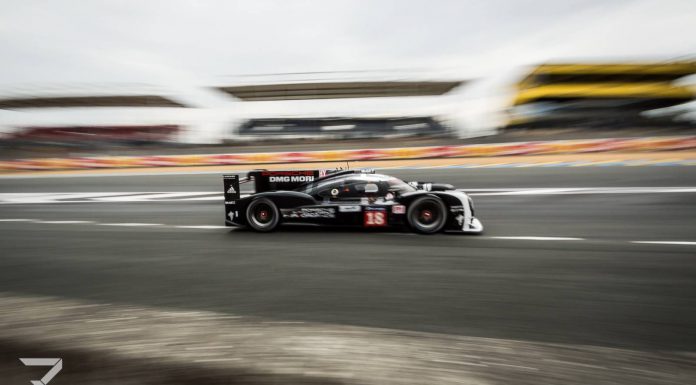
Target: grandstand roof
(674, 68)
(90, 101)
(86, 95)
(338, 89)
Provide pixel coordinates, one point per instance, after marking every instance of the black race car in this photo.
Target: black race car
(358, 198)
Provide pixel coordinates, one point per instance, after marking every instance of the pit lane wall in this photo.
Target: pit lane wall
(649, 144)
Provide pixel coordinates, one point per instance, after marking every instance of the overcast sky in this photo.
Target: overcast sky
(181, 46)
(199, 42)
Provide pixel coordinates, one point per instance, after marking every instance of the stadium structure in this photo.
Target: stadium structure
(600, 94)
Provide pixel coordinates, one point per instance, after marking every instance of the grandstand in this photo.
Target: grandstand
(89, 115)
(91, 136)
(588, 95)
(338, 104)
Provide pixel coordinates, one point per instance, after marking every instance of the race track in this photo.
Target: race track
(602, 256)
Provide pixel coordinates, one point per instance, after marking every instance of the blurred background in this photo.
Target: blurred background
(571, 124)
(111, 75)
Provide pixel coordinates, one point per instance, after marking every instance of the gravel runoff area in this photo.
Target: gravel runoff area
(111, 344)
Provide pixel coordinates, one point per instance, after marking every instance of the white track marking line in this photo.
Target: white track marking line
(579, 191)
(101, 197)
(217, 197)
(200, 227)
(135, 224)
(64, 222)
(525, 238)
(216, 227)
(547, 191)
(52, 197)
(151, 196)
(104, 197)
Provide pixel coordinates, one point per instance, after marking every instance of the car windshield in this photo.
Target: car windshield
(397, 185)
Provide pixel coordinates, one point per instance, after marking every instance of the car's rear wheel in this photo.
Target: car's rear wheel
(262, 215)
(427, 215)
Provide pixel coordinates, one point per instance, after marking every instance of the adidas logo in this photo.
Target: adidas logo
(231, 190)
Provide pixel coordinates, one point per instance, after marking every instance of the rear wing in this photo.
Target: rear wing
(265, 180)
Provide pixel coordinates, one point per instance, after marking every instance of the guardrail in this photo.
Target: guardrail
(472, 150)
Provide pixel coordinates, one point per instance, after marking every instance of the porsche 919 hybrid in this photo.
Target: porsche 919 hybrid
(358, 198)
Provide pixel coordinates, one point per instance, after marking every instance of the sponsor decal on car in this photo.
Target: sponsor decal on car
(288, 176)
(231, 187)
(349, 209)
(399, 209)
(299, 178)
(310, 213)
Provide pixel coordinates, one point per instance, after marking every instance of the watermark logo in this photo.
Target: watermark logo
(55, 363)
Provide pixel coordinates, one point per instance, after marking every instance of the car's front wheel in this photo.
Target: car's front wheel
(427, 215)
(262, 215)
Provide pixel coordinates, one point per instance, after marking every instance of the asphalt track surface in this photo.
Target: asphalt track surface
(582, 281)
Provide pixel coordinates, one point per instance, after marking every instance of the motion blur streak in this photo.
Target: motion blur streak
(132, 133)
(533, 308)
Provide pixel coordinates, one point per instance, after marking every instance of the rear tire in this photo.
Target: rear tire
(427, 215)
(262, 215)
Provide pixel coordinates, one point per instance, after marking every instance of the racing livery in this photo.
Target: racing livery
(358, 198)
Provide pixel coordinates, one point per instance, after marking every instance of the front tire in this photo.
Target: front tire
(262, 215)
(427, 215)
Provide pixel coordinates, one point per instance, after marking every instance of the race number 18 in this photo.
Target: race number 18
(375, 218)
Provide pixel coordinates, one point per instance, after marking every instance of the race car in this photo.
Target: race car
(359, 198)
